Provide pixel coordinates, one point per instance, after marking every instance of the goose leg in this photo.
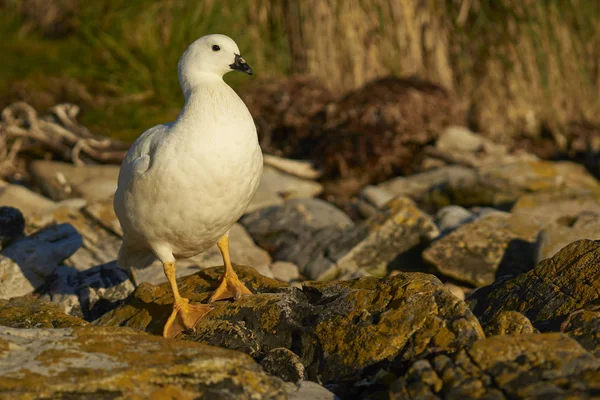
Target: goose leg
(184, 315)
(230, 285)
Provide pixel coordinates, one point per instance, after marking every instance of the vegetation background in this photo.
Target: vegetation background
(521, 67)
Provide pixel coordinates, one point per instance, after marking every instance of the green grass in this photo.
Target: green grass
(125, 52)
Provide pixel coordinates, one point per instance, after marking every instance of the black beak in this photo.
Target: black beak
(240, 65)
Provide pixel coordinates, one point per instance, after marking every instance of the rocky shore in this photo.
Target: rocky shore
(475, 277)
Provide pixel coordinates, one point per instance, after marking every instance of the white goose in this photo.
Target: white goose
(184, 184)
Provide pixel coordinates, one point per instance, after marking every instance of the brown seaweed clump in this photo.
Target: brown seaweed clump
(283, 110)
(380, 130)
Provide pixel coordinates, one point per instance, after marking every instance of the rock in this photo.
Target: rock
(102, 362)
(549, 365)
(456, 290)
(450, 218)
(420, 187)
(298, 231)
(458, 145)
(30, 312)
(28, 202)
(508, 323)
(100, 246)
(553, 206)
(548, 293)
(88, 294)
(242, 250)
(103, 212)
(325, 244)
(307, 390)
(25, 264)
(285, 271)
(564, 231)
(498, 186)
(491, 246)
(12, 225)
(344, 330)
(60, 180)
(284, 364)
(370, 246)
(584, 326)
(276, 186)
(299, 168)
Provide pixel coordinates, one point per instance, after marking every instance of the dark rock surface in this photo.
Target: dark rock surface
(548, 293)
(548, 365)
(584, 326)
(340, 331)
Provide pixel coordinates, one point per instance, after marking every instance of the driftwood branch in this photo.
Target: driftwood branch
(22, 129)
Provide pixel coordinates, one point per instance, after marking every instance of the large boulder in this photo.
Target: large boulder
(548, 365)
(548, 293)
(340, 331)
(109, 362)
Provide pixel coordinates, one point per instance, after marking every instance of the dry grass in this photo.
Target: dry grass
(519, 65)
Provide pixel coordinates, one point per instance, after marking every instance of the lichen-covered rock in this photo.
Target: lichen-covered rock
(371, 245)
(508, 323)
(584, 326)
(338, 330)
(325, 245)
(478, 252)
(107, 362)
(548, 365)
(88, 294)
(284, 364)
(31, 312)
(548, 293)
(26, 263)
(499, 185)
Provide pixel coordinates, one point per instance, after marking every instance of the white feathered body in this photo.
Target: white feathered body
(183, 185)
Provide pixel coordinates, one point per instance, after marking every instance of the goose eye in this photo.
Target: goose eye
(216, 48)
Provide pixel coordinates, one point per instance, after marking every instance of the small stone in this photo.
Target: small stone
(285, 271)
(12, 225)
(508, 323)
(284, 364)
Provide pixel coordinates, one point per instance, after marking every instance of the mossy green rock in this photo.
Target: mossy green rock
(31, 312)
(339, 330)
(111, 363)
(548, 293)
(548, 365)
